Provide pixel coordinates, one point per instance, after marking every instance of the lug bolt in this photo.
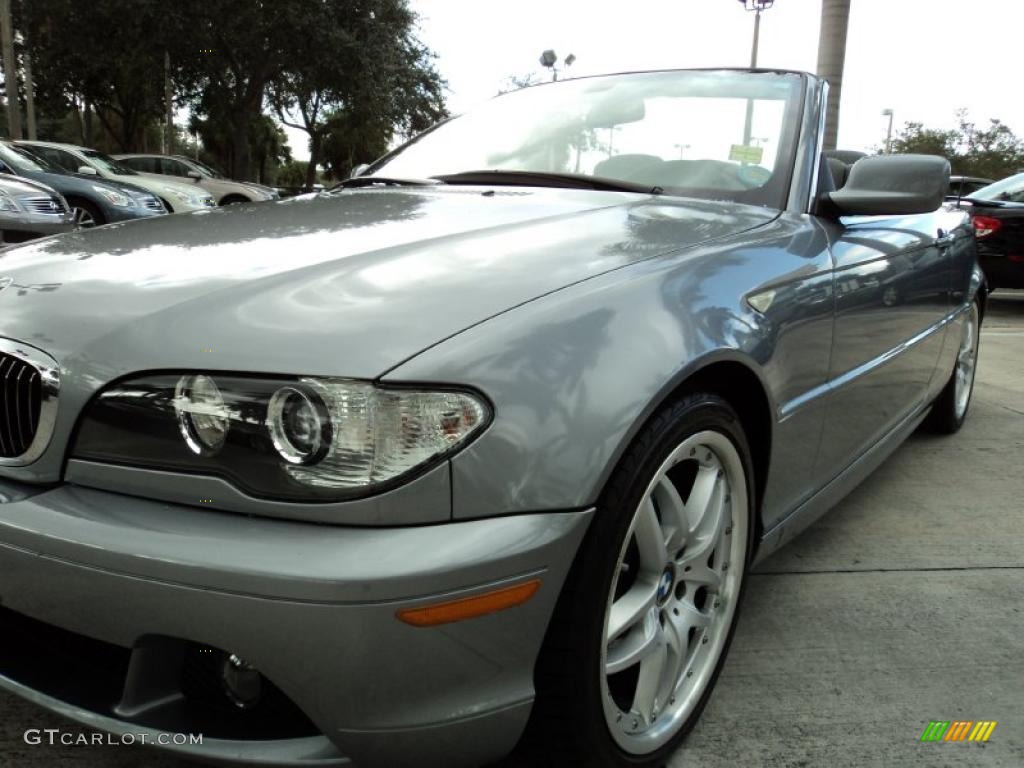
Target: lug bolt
(717, 603)
(636, 723)
(672, 700)
(704, 640)
(725, 566)
(689, 673)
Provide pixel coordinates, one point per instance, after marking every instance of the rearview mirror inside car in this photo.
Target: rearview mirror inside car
(892, 185)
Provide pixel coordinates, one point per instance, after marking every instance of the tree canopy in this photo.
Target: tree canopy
(990, 151)
(316, 64)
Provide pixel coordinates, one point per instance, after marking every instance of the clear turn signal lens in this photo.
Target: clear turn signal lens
(380, 434)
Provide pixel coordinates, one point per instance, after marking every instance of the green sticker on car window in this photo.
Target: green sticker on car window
(743, 153)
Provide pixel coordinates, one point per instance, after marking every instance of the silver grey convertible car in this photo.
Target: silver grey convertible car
(470, 455)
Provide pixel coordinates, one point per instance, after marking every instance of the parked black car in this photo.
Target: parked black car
(965, 186)
(93, 201)
(997, 212)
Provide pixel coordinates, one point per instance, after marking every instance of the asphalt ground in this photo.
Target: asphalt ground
(904, 604)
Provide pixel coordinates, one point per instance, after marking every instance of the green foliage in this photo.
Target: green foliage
(990, 151)
(292, 174)
(310, 60)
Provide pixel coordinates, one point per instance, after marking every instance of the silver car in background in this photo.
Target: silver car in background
(29, 209)
(472, 454)
(184, 169)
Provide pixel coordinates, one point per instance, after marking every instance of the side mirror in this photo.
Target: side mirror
(88, 170)
(358, 170)
(893, 185)
(194, 175)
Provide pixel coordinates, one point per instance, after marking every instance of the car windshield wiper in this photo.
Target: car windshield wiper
(388, 181)
(543, 179)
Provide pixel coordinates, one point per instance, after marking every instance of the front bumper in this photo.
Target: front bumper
(36, 224)
(311, 606)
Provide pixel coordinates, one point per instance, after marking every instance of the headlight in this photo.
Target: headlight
(303, 439)
(184, 196)
(7, 203)
(115, 198)
(202, 414)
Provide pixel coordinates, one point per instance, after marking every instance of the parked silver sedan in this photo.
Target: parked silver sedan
(472, 454)
(30, 209)
(186, 170)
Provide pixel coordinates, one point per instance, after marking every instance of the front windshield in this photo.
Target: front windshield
(1010, 189)
(21, 161)
(107, 163)
(714, 134)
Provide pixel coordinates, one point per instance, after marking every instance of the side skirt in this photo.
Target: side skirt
(838, 488)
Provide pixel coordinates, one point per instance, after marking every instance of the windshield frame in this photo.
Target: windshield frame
(774, 194)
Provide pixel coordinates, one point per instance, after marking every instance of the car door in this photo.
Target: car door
(892, 284)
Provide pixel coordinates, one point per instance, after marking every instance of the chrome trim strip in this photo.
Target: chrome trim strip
(50, 376)
(788, 409)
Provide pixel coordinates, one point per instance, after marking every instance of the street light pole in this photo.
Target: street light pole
(888, 134)
(756, 6)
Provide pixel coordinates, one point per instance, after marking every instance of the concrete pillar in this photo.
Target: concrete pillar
(835, 18)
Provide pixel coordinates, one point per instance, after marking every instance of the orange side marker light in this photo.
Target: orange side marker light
(470, 607)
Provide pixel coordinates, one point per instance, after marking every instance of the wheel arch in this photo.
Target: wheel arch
(736, 379)
(74, 199)
(233, 197)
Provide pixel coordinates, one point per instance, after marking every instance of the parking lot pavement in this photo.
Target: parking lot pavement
(904, 604)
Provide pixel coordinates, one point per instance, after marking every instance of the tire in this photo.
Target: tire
(949, 411)
(580, 714)
(87, 215)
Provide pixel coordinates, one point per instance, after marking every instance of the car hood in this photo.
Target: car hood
(155, 184)
(348, 283)
(73, 182)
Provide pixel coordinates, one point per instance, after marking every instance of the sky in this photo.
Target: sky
(912, 56)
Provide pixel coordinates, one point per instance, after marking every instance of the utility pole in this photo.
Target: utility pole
(10, 70)
(756, 6)
(888, 133)
(30, 96)
(169, 106)
(835, 19)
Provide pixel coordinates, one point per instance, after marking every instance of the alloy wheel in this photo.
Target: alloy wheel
(675, 592)
(83, 218)
(966, 362)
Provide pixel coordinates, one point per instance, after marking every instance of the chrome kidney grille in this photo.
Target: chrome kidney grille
(29, 382)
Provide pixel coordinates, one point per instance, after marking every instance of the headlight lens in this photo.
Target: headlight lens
(202, 414)
(115, 198)
(299, 425)
(181, 194)
(304, 439)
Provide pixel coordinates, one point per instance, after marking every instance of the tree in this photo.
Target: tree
(991, 151)
(377, 79)
(105, 55)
